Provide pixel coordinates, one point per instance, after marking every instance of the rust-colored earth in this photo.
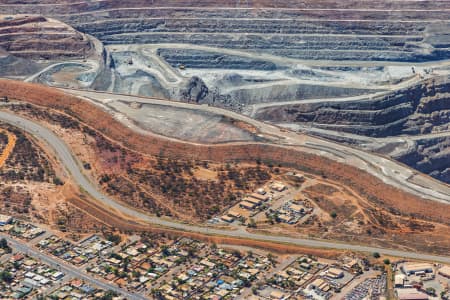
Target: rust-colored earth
(366, 184)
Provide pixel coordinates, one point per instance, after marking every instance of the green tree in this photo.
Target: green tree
(272, 258)
(3, 243)
(165, 250)
(254, 290)
(126, 262)
(431, 291)
(237, 253)
(57, 181)
(6, 277)
(113, 238)
(136, 274)
(109, 295)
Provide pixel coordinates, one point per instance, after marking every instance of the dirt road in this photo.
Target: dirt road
(73, 167)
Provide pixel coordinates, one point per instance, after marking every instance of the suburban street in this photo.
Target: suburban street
(67, 269)
(245, 150)
(67, 159)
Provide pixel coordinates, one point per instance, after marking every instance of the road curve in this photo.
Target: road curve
(64, 155)
(389, 171)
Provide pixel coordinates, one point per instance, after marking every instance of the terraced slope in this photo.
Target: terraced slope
(371, 73)
(420, 109)
(252, 35)
(430, 156)
(342, 30)
(37, 37)
(411, 124)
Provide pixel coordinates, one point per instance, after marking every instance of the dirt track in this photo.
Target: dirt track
(124, 224)
(365, 183)
(9, 147)
(273, 153)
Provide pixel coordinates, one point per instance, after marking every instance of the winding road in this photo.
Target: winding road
(389, 171)
(67, 159)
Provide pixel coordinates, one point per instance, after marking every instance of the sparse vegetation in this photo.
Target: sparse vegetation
(114, 238)
(116, 163)
(6, 277)
(26, 162)
(4, 245)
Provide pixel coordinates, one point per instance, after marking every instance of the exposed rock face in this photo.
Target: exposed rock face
(277, 93)
(423, 108)
(431, 157)
(11, 65)
(352, 30)
(419, 116)
(195, 90)
(249, 56)
(37, 37)
(204, 59)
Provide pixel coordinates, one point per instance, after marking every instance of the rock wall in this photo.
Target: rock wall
(423, 108)
(212, 60)
(36, 37)
(352, 30)
(430, 156)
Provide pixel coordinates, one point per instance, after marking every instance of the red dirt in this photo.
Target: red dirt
(367, 185)
(125, 225)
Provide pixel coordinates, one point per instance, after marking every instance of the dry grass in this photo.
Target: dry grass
(388, 199)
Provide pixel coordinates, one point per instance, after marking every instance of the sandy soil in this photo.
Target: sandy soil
(368, 199)
(152, 145)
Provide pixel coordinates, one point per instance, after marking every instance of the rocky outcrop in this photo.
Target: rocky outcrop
(430, 156)
(414, 111)
(423, 108)
(195, 90)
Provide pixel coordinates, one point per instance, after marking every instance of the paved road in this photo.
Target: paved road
(66, 268)
(389, 171)
(66, 158)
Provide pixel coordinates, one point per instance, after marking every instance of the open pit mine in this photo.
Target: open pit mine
(374, 75)
(232, 149)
